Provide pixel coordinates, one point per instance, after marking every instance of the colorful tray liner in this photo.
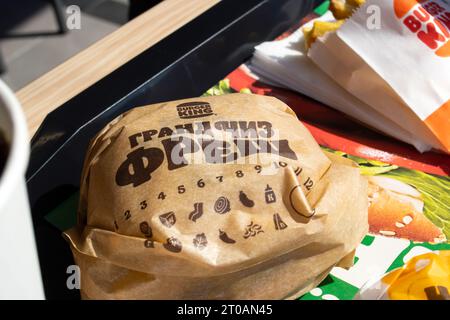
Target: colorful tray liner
(409, 192)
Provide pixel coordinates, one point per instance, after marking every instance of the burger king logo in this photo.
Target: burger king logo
(190, 110)
(429, 20)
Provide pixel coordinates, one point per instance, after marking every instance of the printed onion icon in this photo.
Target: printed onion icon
(222, 205)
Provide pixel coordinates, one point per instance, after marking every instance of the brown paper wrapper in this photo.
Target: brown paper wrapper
(221, 197)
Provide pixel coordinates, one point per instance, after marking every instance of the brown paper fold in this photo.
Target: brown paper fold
(266, 225)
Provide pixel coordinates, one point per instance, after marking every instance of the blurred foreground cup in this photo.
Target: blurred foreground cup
(20, 276)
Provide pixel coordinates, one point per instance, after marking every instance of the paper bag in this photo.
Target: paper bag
(401, 68)
(285, 63)
(221, 197)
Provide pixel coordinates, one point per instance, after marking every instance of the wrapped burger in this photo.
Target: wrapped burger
(225, 197)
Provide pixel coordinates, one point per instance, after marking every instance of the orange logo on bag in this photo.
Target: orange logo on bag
(429, 20)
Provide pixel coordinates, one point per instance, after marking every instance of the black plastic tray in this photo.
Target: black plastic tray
(185, 64)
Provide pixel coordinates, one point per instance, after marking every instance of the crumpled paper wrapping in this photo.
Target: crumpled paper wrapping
(244, 206)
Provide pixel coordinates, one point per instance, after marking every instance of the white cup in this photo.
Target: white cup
(20, 274)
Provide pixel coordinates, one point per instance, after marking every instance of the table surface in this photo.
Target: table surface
(90, 65)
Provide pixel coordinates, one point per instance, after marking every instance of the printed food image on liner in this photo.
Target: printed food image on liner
(405, 203)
